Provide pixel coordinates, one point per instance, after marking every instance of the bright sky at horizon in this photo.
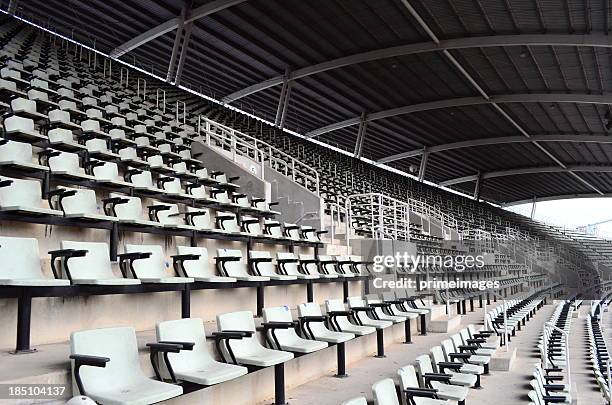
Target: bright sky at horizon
(571, 213)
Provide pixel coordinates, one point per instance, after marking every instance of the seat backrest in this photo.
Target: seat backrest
(388, 296)
(118, 344)
(23, 104)
(334, 305)
(195, 268)
(65, 162)
(83, 202)
(59, 116)
(328, 264)
(448, 347)
(230, 225)
(129, 210)
(151, 267)
(94, 265)
(200, 221)
(408, 377)
(169, 217)
(254, 228)
(185, 330)
(311, 268)
(456, 338)
(275, 231)
(20, 258)
(437, 355)
(242, 321)
(293, 233)
(423, 365)
(264, 268)
(199, 192)
(142, 179)
(290, 268)
(233, 269)
(356, 302)
(21, 192)
(60, 135)
(384, 393)
(356, 401)
(16, 151)
(464, 335)
(107, 171)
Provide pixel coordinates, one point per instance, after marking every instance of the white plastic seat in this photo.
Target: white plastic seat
(153, 268)
(23, 128)
(373, 299)
(364, 318)
(121, 380)
(248, 350)
(19, 156)
(21, 264)
(457, 378)
(63, 137)
(292, 231)
(170, 217)
(27, 108)
(252, 226)
(196, 365)
(355, 401)
(451, 390)
(130, 211)
(228, 222)
(461, 339)
(199, 269)
(310, 265)
(384, 393)
(23, 196)
(129, 155)
(408, 380)
(261, 263)
(288, 264)
(472, 365)
(230, 264)
(108, 173)
(328, 266)
(318, 328)
(287, 337)
(144, 182)
(343, 322)
(80, 204)
(274, 229)
(389, 296)
(345, 266)
(67, 164)
(175, 188)
(61, 119)
(95, 267)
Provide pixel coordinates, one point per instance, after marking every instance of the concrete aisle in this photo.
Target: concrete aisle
(332, 391)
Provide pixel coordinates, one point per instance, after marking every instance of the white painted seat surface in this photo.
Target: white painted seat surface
(131, 212)
(95, 267)
(355, 401)
(445, 391)
(122, 381)
(313, 268)
(266, 269)
(343, 321)
(67, 164)
(357, 302)
(319, 330)
(23, 196)
(384, 392)
(288, 338)
(291, 268)
(238, 269)
(83, 205)
(153, 268)
(21, 264)
(18, 154)
(249, 350)
(457, 378)
(197, 365)
(199, 269)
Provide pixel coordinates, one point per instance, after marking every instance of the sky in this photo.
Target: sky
(572, 213)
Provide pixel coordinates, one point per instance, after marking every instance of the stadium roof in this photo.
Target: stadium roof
(513, 94)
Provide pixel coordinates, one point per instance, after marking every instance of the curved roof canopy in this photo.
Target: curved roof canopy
(512, 95)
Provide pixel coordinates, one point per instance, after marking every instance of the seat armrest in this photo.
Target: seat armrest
(313, 318)
(183, 345)
(228, 259)
(185, 257)
(232, 179)
(379, 305)
(278, 325)
(164, 347)
(64, 254)
(421, 392)
(459, 355)
(446, 364)
(436, 377)
(134, 256)
(232, 334)
(476, 340)
(467, 347)
(260, 260)
(553, 399)
(287, 260)
(361, 309)
(87, 360)
(340, 313)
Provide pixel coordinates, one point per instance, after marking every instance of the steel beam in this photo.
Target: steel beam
(184, 47)
(177, 44)
(360, 135)
(581, 98)
(558, 197)
(281, 99)
(472, 143)
(285, 106)
(170, 25)
(477, 187)
(423, 165)
(12, 7)
(596, 40)
(529, 170)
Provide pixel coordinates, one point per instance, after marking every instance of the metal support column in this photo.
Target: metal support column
(341, 356)
(177, 44)
(279, 384)
(24, 318)
(477, 187)
(380, 343)
(281, 99)
(186, 301)
(184, 47)
(285, 106)
(361, 132)
(423, 166)
(260, 299)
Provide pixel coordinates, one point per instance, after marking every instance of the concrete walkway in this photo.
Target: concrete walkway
(514, 384)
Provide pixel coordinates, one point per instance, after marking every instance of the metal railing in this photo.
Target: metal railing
(264, 153)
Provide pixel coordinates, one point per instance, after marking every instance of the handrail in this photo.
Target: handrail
(275, 158)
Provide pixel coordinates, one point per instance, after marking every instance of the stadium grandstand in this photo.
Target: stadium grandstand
(303, 201)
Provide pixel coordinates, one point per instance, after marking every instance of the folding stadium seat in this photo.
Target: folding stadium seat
(409, 384)
(8, 90)
(18, 155)
(366, 315)
(42, 100)
(385, 394)
(260, 263)
(480, 346)
(21, 264)
(193, 262)
(107, 173)
(288, 264)
(309, 233)
(327, 265)
(230, 264)
(455, 349)
(310, 265)
(224, 180)
(129, 156)
(398, 307)
(23, 197)
(228, 222)
(274, 229)
(220, 196)
(63, 139)
(64, 165)
(291, 231)
(25, 108)
(458, 369)
(169, 216)
(263, 206)
(147, 263)
(87, 263)
(22, 129)
(313, 325)
(339, 319)
(482, 334)
(77, 204)
(106, 367)
(280, 332)
(346, 265)
(173, 187)
(431, 378)
(379, 307)
(71, 107)
(194, 363)
(61, 119)
(142, 181)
